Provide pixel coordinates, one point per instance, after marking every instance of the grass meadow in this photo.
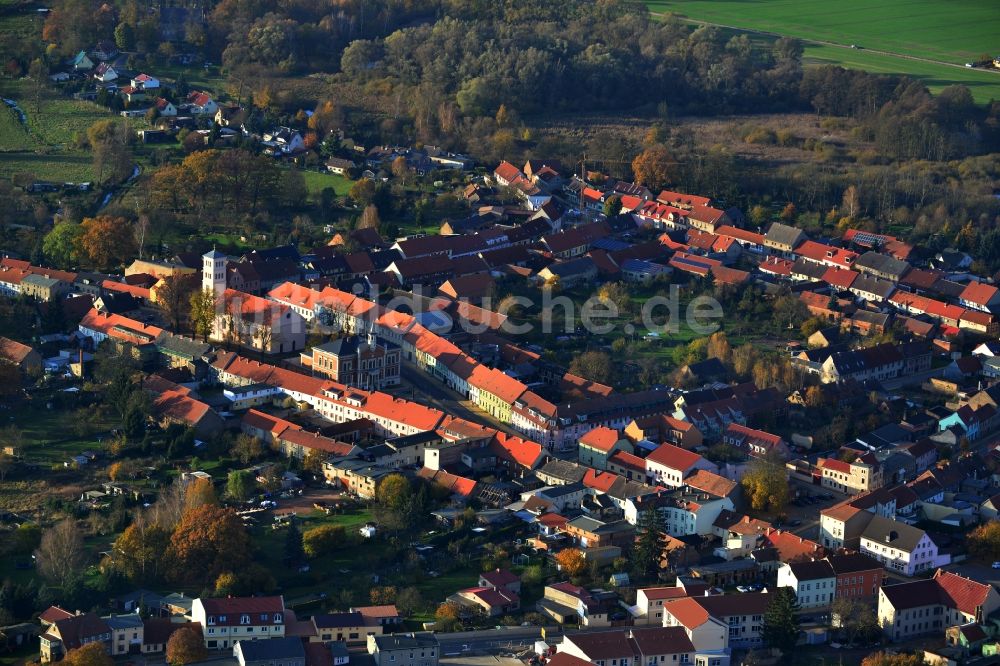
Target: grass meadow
(955, 32)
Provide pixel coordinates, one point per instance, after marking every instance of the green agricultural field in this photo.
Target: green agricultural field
(941, 36)
(43, 144)
(317, 181)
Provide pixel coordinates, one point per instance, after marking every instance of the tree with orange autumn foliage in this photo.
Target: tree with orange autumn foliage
(91, 654)
(206, 542)
(571, 562)
(106, 242)
(654, 167)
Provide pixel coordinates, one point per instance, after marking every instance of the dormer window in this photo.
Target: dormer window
(277, 618)
(222, 618)
(211, 619)
(244, 619)
(263, 617)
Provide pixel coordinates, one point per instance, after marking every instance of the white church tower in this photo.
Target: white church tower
(213, 272)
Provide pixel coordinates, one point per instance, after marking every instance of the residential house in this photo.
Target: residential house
(861, 475)
(900, 547)
(598, 445)
(658, 428)
(225, 621)
(684, 510)
(23, 356)
(201, 103)
(814, 582)
(68, 632)
(908, 610)
(412, 649)
(669, 464)
(882, 266)
(755, 443)
(273, 652)
(980, 296)
(631, 647)
(782, 239)
(858, 576)
(717, 622)
(350, 628)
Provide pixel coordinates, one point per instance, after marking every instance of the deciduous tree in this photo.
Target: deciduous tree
(60, 554)
(173, 297)
(984, 541)
(766, 485)
(106, 241)
(323, 540)
(207, 541)
(91, 654)
(239, 485)
(593, 365)
(247, 448)
(654, 167)
(186, 646)
(202, 312)
(139, 550)
(571, 562)
(61, 245)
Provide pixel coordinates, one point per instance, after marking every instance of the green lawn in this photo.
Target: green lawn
(13, 134)
(317, 181)
(60, 166)
(43, 146)
(956, 32)
(48, 437)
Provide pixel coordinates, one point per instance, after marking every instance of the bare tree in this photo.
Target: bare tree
(60, 555)
(169, 507)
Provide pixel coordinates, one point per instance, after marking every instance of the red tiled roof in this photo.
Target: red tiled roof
(979, 293)
(500, 577)
(776, 266)
(964, 594)
(599, 480)
(834, 464)
(790, 546)
(53, 613)
(628, 460)
(552, 520)
(687, 611)
(601, 439)
(495, 382)
(741, 234)
(711, 483)
(403, 411)
(670, 197)
(508, 171)
(826, 254)
(233, 607)
(840, 277)
(13, 351)
(673, 457)
(524, 452)
(456, 484)
(316, 442)
(179, 406)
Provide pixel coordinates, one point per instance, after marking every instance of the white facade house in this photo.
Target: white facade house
(226, 621)
(669, 464)
(814, 582)
(900, 547)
